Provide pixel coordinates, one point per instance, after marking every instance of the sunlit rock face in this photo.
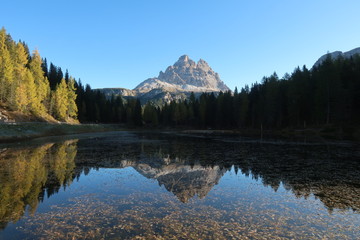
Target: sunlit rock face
(185, 76)
(337, 54)
(176, 83)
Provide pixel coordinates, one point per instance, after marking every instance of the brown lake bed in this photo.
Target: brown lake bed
(151, 185)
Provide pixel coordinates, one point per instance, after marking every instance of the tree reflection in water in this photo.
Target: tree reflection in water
(185, 166)
(189, 167)
(27, 174)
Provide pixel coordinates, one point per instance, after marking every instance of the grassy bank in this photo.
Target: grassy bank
(23, 131)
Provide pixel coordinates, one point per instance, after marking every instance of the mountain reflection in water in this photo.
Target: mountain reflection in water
(185, 166)
(184, 181)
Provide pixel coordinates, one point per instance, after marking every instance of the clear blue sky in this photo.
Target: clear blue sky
(121, 43)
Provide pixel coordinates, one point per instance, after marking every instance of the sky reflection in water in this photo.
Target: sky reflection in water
(128, 185)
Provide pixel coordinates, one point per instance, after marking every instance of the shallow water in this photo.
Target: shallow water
(152, 186)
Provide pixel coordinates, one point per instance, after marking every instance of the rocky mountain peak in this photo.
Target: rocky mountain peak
(185, 76)
(183, 58)
(184, 62)
(202, 64)
(175, 83)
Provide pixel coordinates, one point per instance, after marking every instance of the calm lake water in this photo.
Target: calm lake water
(126, 185)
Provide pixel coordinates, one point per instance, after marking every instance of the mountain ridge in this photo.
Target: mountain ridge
(336, 54)
(185, 75)
(176, 83)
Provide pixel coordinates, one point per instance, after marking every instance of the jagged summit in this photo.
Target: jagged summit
(184, 60)
(176, 83)
(185, 76)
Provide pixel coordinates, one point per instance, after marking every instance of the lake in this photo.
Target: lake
(147, 185)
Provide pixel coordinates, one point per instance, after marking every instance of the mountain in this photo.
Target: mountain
(185, 76)
(336, 54)
(177, 82)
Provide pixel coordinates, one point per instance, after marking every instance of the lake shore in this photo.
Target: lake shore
(13, 132)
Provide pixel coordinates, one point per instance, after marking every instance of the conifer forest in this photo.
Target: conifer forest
(326, 94)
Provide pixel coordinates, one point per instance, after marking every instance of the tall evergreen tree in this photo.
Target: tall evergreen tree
(20, 99)
(32, 97)
(150, 115)
(44, 67)
(60, 99)
(67, 76)
(41, 82)
(72, 110)
(138, 113)
(6, 68)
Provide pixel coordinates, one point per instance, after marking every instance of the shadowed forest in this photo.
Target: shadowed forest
(328, 94)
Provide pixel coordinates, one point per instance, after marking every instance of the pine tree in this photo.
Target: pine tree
(31, 95)
(44, 67)
(20, 99)
(244, 106)
(67, 76)
(42, 84)
(150, 115)
(6, 68)
(52, 75)
(60, 99)
(138, 113)
(72, 108)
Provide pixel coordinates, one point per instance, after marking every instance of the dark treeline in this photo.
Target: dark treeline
(94, 106)
(328, 94)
